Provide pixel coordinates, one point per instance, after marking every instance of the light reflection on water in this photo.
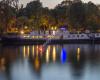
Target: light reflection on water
(47, 54)
(63, 55)
(54, 54)
(78, 54)
(56, 62)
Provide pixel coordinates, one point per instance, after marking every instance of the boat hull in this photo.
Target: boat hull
(6, 40)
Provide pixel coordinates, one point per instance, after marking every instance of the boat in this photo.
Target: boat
(54, 36)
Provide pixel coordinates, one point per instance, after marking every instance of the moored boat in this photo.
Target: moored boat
(54, 37)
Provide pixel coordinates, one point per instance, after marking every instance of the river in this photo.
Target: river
(55, 62)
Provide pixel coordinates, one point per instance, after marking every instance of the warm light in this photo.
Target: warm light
(2, 64)
(28, 51)
(54, 32)
(16, 29)
(41, 49)
(2, 61)
(55, 28)
(37, 48)
(48, 54)
(37, 64)
(78, 54)
(78, 51)
(52, 28)
(26, 27)
(33, 37)
(22, 32)
(54, 54)
(26, 36)
(24, 54)
(33, 51)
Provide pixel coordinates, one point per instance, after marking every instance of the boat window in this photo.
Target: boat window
(77, 35)
(69, 36)
(82, 35)
(97, 34)
(73, 35)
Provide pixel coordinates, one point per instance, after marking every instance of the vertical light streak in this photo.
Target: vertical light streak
(78, 54)
(41, 50)
(37, 63)
(2, 64)
(33, 51)
(24, 53)
(28, 51)
(54, 54)
(37, 52)
(48, 54)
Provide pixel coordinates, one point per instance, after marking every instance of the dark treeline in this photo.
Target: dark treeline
(73, 14)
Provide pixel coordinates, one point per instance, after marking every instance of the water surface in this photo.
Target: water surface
(56, 62)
